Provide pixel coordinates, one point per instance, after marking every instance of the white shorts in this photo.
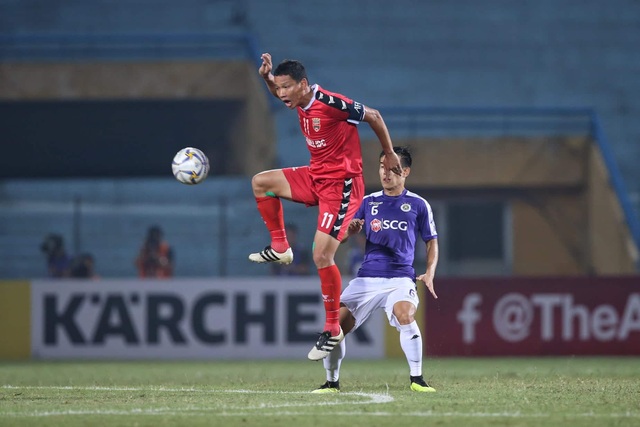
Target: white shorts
(366, 294)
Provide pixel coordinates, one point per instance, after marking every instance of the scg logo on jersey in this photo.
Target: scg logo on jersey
(385, 224)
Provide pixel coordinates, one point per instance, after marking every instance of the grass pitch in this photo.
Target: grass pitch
(479, 392)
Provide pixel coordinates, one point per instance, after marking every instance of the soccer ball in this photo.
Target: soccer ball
(190, 166)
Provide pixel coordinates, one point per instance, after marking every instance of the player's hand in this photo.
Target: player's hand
(391, 163)
(266, 66)
(355, 226)
(428, 283)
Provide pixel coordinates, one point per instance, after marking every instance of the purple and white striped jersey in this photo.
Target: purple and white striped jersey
(391, 224)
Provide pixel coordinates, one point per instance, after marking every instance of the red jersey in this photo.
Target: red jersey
(328, 124)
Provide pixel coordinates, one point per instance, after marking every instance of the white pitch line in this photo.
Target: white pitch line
(374, 398)
(134, 411)
(205, 412)
(433, 414)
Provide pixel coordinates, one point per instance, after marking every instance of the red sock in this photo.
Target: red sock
(331, 285)
(270, 209)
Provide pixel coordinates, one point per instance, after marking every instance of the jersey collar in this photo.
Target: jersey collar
(404, 192)
(315, 88)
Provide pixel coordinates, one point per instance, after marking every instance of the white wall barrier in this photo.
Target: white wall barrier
(252, 318)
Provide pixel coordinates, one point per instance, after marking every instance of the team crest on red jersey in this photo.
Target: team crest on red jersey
(316, 124)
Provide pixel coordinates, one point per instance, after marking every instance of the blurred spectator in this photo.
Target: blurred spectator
(58, 262)
(301, 260)
(156, 258)
(83, 267)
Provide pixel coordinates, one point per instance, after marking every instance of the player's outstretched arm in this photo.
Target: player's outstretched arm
(391, 161)
(265, 72)
(432, 262)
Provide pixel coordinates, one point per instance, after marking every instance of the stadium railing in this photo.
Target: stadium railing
(406, 121)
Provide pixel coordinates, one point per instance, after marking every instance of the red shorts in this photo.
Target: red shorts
(337, 199)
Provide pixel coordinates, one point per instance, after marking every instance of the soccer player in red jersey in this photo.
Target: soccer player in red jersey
(332, 181)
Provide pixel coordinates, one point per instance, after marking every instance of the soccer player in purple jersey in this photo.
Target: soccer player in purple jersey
(392, 219)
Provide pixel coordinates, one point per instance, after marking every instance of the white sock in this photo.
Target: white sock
(333, 361)
(411, 343)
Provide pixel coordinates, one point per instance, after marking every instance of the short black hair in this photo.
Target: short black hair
(292, 68)
(52, 243)
(405, 156)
